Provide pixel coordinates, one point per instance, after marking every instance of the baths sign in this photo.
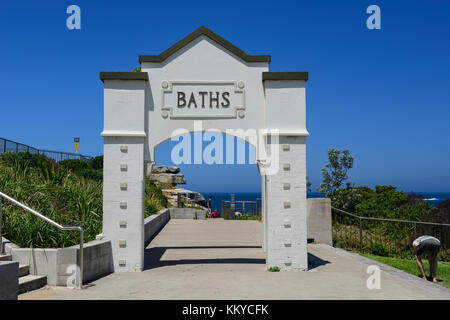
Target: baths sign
(203, 99)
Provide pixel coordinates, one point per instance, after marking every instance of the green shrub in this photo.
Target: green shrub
(74, 164)
(154, 198)
(97, 163)
(51, 190)
(247, 216)
(274, 269)
(84, 169)
(91, 174)
(379, 250)
(69, 198)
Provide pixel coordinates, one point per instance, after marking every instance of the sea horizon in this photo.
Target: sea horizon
(434, 198)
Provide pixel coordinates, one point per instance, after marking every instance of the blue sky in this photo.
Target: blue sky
(382, 94)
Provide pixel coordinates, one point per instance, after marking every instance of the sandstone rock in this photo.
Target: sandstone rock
(168, 178)
(165, 169)
(172, 196)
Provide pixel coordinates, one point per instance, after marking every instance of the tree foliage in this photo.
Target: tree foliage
(335, 172)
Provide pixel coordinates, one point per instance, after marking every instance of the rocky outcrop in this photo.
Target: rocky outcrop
(165, 169)
(167, 174)
(172, 196)
(171, 175)
(171, 178)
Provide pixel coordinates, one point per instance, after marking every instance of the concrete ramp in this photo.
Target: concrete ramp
(207, 242)
(221, 259)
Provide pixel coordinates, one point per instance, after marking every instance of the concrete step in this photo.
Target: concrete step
(5, 257)
(24, 270)
(31, 282)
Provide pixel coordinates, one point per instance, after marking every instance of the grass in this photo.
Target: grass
(410, 266)
(274, 269)
(70, 194)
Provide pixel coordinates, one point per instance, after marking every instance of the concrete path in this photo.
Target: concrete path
(223, 259)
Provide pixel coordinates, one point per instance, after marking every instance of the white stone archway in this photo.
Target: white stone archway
(205, 78)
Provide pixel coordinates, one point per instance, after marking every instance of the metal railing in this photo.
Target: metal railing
(246, 207)
(383, 236)
(188, 200)
(15, 147)
(80, 260)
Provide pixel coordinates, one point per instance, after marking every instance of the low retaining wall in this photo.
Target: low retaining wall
(57, 263)
(319, 220)
(97, 259)
(187, 213)
(154, 224)
(9, 280)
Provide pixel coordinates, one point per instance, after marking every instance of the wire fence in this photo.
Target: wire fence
(385, 237)
(228, 209)
(8, 146)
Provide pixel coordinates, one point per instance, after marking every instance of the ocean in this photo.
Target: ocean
(434, 198)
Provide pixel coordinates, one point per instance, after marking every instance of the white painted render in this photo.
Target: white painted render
(140, 115)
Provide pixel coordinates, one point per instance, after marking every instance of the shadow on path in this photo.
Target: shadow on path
(152, 257)
(315, 261)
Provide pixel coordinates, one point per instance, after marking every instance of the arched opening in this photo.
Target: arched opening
(229, 168)
(226, 171)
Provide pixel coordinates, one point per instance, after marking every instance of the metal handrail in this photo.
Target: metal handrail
(80, 262)
(390, 220)
(240, 201)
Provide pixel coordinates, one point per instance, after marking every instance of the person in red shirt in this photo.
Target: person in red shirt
(215, 214)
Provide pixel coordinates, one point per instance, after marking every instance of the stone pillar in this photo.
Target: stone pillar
(123, 168)
(286, 207)
(123, 201)
(285, 188)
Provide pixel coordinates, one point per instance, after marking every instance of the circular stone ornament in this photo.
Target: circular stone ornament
(241, 84)
(164, 114)
(165, 85)
(241, 113)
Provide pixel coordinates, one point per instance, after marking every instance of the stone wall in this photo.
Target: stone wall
(319, 220)
(154, 224)
(187, 213)
(58, 263)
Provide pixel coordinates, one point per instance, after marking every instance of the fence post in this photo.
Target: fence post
(360, 234)
(415, 230)
(232, 204)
